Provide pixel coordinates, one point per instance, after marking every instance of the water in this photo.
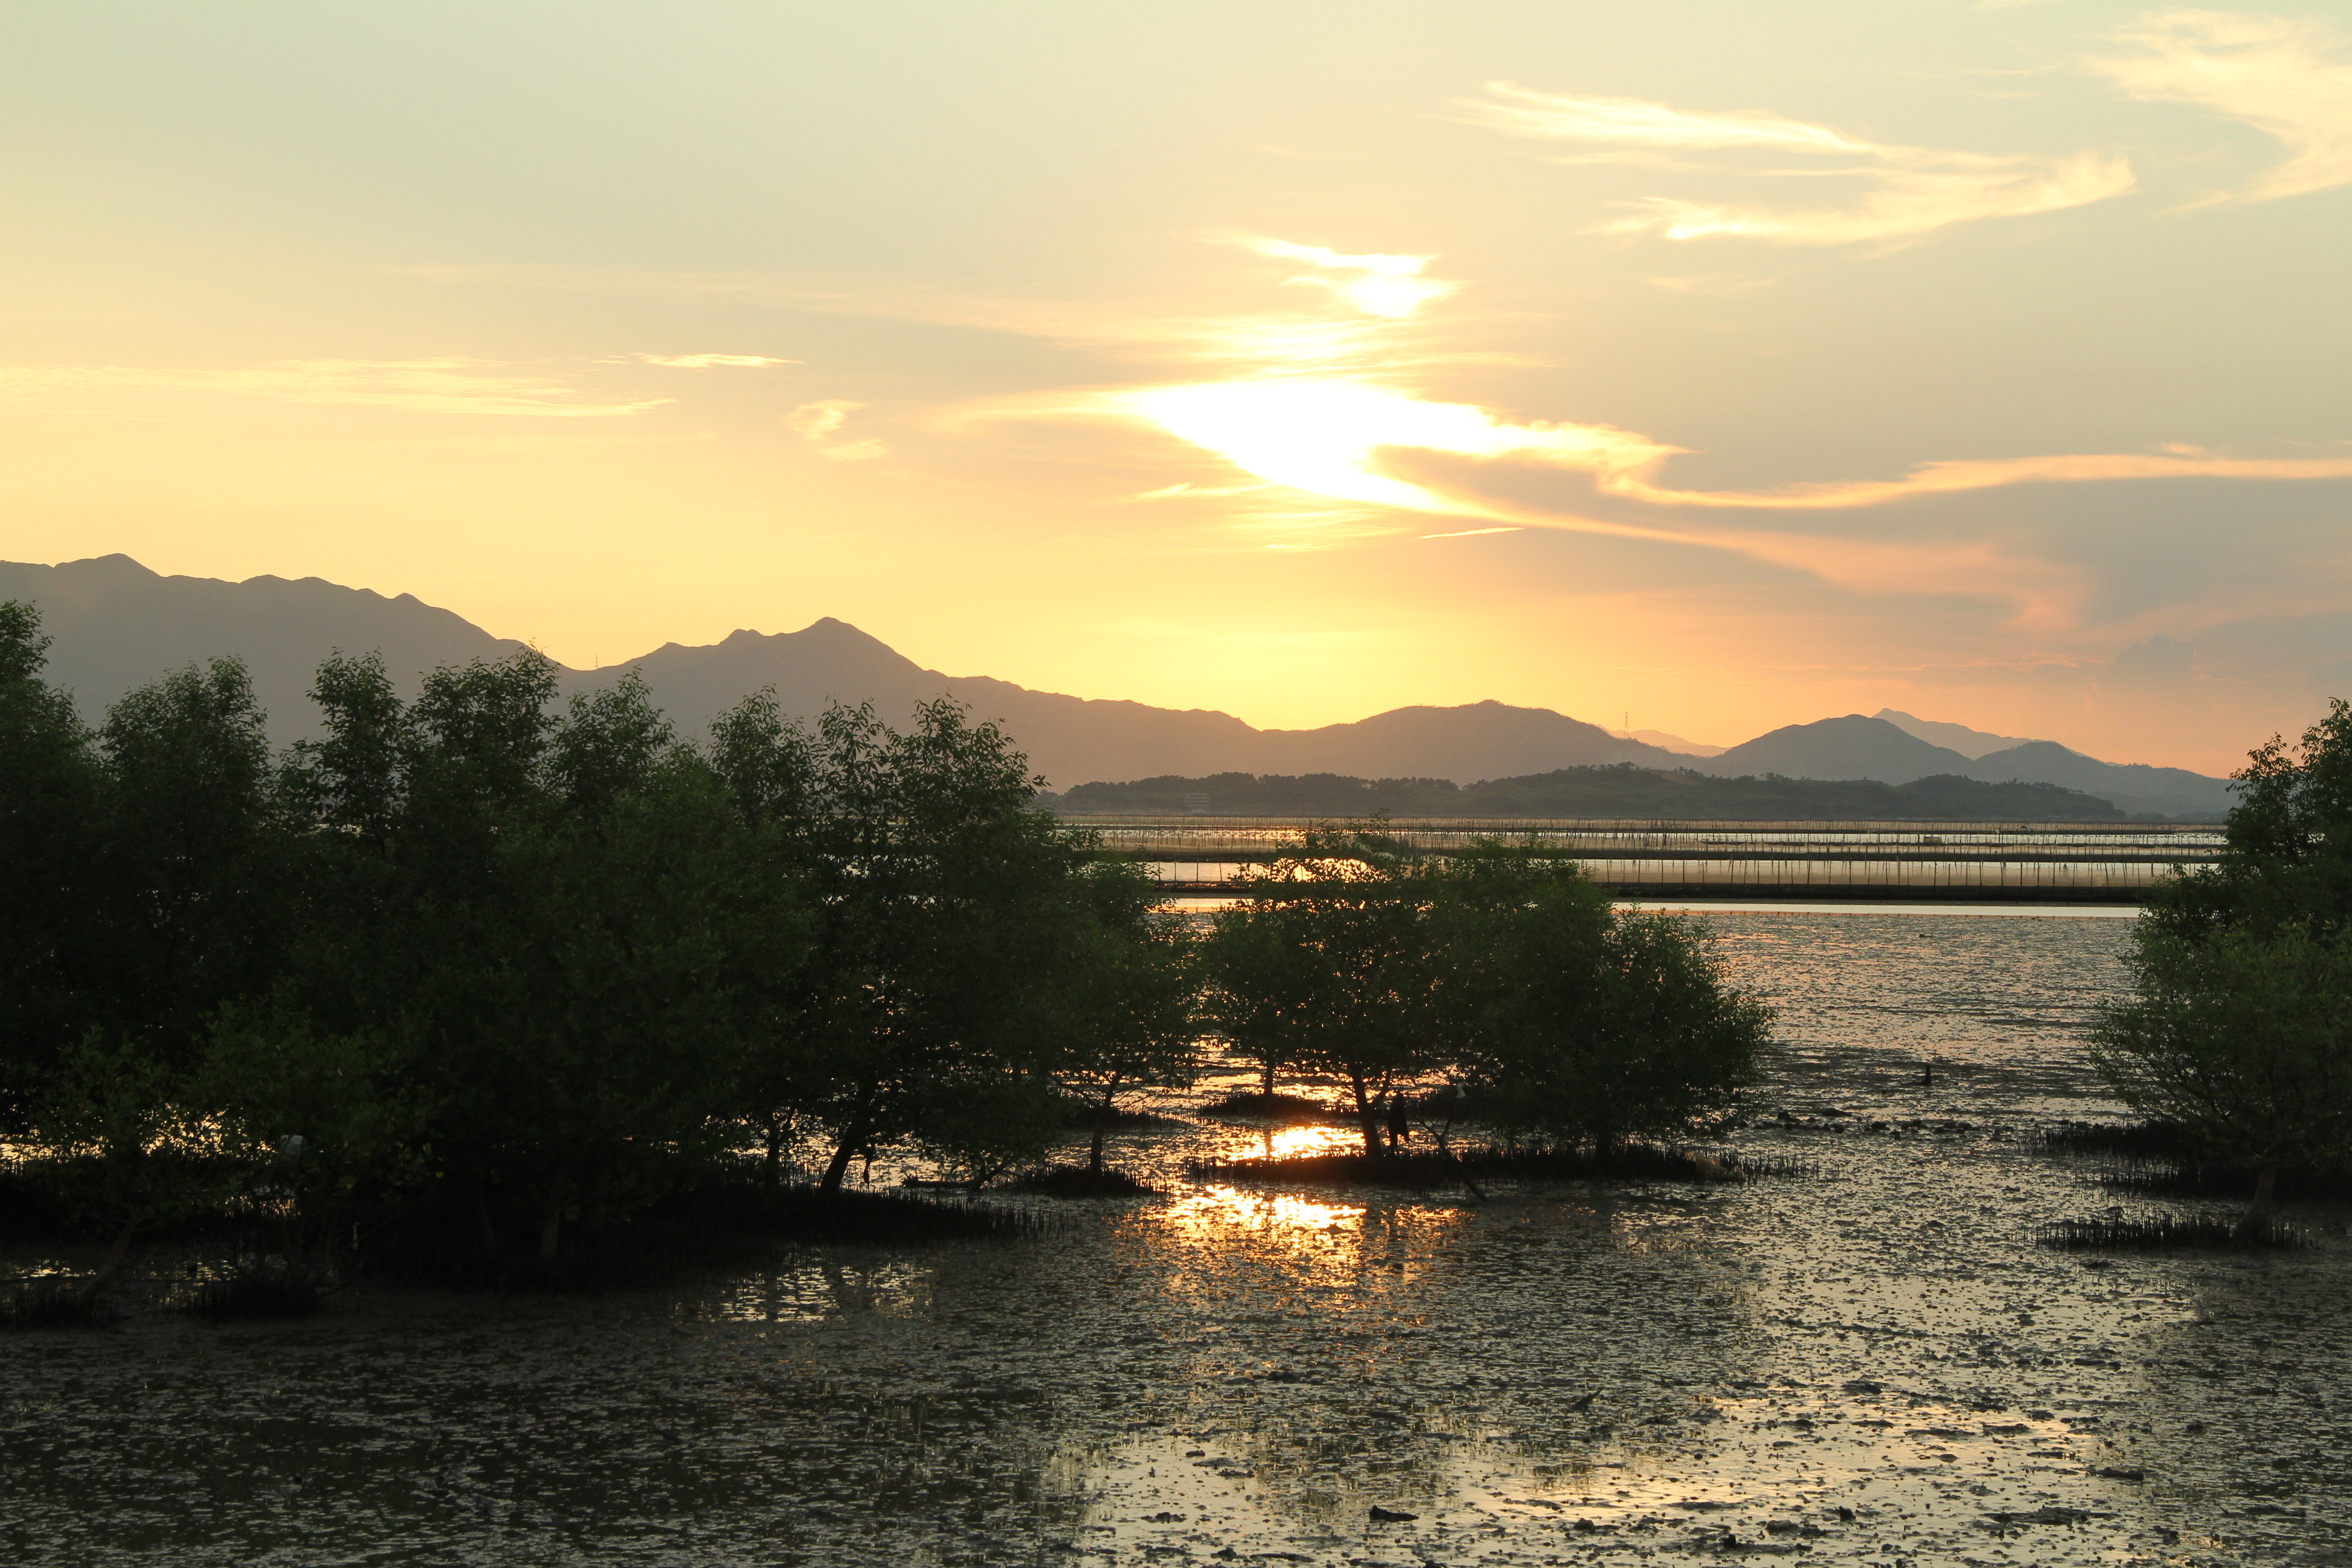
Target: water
(1584, 1373)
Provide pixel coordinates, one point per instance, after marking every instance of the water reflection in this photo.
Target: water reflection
(1225, 1209)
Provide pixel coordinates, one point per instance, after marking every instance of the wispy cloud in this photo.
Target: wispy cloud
(2291, 80)
(714, 361)
(433, 386)
(1387, 285)
(1986, 473)
(820, 422)
(1907, 192)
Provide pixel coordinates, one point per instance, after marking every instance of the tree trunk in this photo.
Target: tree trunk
(1367, 1117)
(113, 1261)
(2258, 1214)
(854, 1134)
(771, 1163)
(489, 1232)
(1266, 1078)
(551, 1225)
(1446, 1149)
(1102, 1122)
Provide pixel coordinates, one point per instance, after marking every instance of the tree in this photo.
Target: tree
(1330, 964)
(50, 829)
(192, 868)
(944, 922)
(2244, 1039)
(1128, 1024)
(2236, 1029)
(1574, 1020)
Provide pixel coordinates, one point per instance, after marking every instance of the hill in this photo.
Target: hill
(1854, 747)
(1623, 791)
(118, 625)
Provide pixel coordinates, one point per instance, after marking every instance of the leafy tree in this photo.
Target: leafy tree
(944, 916)
(1329, 965)
(192, 870)
(313, 1125)
(1263, 983)
(2235, 1030)
(1128, 1024)
(114, 1124)
(2288, 854)
(49, 788)
(2244, 1038)
(1576, 1021)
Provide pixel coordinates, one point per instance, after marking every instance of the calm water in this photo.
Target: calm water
(1871, 1363)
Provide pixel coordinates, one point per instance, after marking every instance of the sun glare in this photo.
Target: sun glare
(1325, 436)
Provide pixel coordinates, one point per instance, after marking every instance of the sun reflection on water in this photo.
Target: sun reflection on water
(1294, 1141)
(1231, 1208)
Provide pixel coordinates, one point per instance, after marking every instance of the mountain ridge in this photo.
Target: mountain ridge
(118, 625)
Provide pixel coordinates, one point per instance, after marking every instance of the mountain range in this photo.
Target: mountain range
(117, 625)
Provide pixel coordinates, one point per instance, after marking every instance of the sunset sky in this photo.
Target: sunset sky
(1726, 364)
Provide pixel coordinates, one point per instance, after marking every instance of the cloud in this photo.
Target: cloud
(1909, 191)
(433, 386)
(2290, 79)
(1988, 473)
(715, 362)
(1386, 286)
(820, 422)
(1712, 283)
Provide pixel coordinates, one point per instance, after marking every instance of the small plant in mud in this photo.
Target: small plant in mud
(256, 1289)
(2154, 1232)
(52, 1303)
(1083, 1182)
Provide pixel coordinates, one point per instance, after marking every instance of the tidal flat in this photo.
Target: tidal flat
(1871, 1361)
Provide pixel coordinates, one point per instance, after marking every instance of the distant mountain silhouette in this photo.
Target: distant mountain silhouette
(118, 625)
(1621, 791)
(2134, 786)
(1953, 737)
(1672, 743)
(1853, 747)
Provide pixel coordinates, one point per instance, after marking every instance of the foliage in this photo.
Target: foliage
(1504, 974)
(473, 974)
(1327, 966)
(1576, 1021)
(2288, 854)
(2239, 1026)
(2244, 1037)
(1129, 1025)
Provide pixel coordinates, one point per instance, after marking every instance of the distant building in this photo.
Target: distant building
(1196, 804)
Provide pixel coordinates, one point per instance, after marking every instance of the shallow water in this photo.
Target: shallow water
(1871, 1363)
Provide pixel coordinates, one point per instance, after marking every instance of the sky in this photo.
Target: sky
(1716, 367)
